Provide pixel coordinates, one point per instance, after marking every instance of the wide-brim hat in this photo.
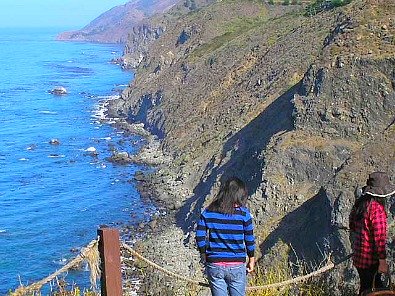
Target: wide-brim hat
(378, 185)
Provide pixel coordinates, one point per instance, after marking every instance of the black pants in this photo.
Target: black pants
(366, 278)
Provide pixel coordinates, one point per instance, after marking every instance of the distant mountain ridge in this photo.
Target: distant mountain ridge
(114, 25)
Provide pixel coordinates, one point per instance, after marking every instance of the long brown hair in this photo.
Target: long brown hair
(361, 204)
(233, 192)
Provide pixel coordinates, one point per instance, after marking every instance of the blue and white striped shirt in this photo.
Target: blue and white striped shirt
(226, 237)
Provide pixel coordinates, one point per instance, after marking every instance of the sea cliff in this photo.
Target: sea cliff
(300, 105)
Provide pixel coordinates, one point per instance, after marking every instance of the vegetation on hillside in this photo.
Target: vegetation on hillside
(321, 5)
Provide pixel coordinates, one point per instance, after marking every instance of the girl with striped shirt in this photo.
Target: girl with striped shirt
(225, 240)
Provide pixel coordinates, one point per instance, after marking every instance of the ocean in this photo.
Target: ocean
(53, 197)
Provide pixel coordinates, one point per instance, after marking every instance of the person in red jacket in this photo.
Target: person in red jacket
(368, 226)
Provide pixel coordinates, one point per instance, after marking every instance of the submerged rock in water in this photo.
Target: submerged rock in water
(59, 91)
(92, 151)
(54, 142)
(120, 158)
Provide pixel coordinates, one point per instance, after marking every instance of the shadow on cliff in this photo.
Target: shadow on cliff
(307, 230)
(241, 156)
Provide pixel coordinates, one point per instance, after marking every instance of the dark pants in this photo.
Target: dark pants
(366, 278)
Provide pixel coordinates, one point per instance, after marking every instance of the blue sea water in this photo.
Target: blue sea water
(54, 197)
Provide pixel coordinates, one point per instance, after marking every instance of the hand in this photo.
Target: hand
(383, 266)
(203, 258)
(250, 264)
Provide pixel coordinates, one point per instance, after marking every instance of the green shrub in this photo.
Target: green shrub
(337, 3)
(321, 5)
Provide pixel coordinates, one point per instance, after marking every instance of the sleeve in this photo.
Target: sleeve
(201, 232)
(249, 238)
(378, 218)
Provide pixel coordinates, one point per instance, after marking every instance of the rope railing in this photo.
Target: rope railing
(90, 254)
(330, 265)
(164, 270)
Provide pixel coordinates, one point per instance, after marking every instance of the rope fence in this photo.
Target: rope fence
(164, 270)
(330, 265)
(90, 254)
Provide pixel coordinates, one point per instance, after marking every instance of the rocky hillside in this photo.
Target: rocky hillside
(114, 25)
(302, 107)
(139, 39)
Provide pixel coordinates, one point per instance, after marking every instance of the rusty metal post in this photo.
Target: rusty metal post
(110, 256)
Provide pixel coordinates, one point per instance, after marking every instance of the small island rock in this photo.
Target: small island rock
(59, 91)
(54, 142)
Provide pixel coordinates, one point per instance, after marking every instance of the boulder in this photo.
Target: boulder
(54, 142)
(59, 91)
(120, 158)
(92, 151)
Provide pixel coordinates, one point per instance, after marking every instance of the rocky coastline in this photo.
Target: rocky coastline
(158, 186)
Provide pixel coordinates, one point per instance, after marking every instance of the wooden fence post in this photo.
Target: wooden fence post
(110, 256)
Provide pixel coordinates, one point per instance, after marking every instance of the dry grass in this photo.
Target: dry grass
(280, 271)
(61, 288)
(306, 140)
(374, 34)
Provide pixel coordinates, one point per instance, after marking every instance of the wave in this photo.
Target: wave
(47, 112)
(56, 155)
(61, 261)
(108, 98)
(100, 109)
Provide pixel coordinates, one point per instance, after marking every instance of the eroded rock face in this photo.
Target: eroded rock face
(356, 100)
(136, 48)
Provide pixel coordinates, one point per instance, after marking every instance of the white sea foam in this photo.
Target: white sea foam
(23, 159)
(101, 108)
(61, 261)
(90, 149)
(99, 166)
(56, 155)
(47, 112)
(108, 98)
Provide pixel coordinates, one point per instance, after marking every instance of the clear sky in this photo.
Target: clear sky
(73, 14)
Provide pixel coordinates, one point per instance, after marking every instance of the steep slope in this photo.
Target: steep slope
(114, 25)
(300, 107)
(141, 36)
